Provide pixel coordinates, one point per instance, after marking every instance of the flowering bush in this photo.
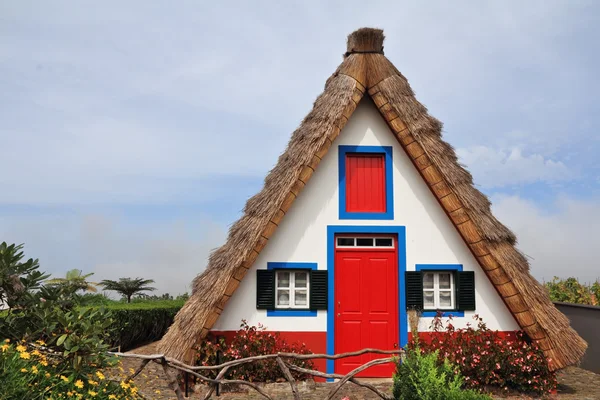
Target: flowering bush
(485, 358)
(30, 372)
(252, 341)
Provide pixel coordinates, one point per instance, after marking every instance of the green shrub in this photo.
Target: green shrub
(422, 377)
(570, 290)
(141, 322)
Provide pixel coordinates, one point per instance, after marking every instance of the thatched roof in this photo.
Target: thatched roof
(365, 71)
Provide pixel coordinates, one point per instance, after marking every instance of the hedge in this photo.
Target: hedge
(137, 323)
(140, 323)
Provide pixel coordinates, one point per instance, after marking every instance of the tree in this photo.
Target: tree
(73, 282)
(128, 287)
(17, 278)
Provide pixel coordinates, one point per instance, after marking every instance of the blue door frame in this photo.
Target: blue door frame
(333, 230)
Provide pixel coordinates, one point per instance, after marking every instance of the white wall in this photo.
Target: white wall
(301, 237)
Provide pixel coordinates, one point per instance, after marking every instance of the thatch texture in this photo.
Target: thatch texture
(366, 70)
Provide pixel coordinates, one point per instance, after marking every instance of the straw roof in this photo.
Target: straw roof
(366, 72)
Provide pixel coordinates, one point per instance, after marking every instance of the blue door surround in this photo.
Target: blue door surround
(332, 230)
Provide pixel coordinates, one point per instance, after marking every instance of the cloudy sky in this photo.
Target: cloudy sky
(132, 133)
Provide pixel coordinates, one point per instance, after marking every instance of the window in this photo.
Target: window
(366, 184)
(443, 287)
(365, 242)
(291, 289)
(296, 289)
(438, 291)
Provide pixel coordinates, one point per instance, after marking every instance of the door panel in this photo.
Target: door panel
(366, 307)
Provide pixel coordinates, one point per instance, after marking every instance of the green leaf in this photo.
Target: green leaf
(61, 339)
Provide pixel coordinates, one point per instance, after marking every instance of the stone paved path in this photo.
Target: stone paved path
(574, 384)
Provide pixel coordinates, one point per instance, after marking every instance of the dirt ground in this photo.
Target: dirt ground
(574, 383)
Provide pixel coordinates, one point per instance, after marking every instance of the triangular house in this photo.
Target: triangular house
(366, 214)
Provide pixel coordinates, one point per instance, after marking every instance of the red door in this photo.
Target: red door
(366, 306)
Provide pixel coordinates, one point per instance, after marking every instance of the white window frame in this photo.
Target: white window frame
(373, 238)
(292, 289)
(436, 291)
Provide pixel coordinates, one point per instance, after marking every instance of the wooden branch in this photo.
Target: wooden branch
(338, 376)
(354, 372)
(171, 380)
(137, 372)
(259, 358)
(212, 388)
(232, 381)
(289, 377)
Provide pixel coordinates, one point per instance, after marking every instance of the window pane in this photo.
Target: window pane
(300, 298)
(383, 242)
(301, 279)
(428, 281)
(364, 242)
(283, 297)
(428, 299)
(283, 279)
(345, 241)
(445, 299)
(444, 280)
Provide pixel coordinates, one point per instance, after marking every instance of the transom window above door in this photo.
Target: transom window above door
(366, 242)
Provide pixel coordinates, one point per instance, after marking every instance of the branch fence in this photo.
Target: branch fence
(282, 361)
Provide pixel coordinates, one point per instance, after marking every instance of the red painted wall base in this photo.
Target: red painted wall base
(317, 342)
(314, 341)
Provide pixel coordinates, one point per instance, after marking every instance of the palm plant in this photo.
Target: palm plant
(73, 282)
(128, 287)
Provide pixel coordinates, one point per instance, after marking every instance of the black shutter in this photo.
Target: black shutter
(465, 290)
(414, 290)
(265, 289)
(318, 290)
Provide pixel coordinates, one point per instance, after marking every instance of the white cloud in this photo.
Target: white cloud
(562, 242)
(495, 168)
(97, 99)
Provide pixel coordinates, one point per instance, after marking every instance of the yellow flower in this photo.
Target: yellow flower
(100, 375)
(44, 363)
(92, 393)
(64, 378)
(34, 370)
(40, 342)
(36, 353)
(79, 384)
(157, 391)
(93, 383)
(4, 347)
(70, 394)
(47, 375)
(7, 340)
(21, 348)
(134, 390)
(25, 355)
(124, 385)
(112, 397)
(23, 369)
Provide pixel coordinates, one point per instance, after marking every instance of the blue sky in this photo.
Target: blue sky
(132, 133)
